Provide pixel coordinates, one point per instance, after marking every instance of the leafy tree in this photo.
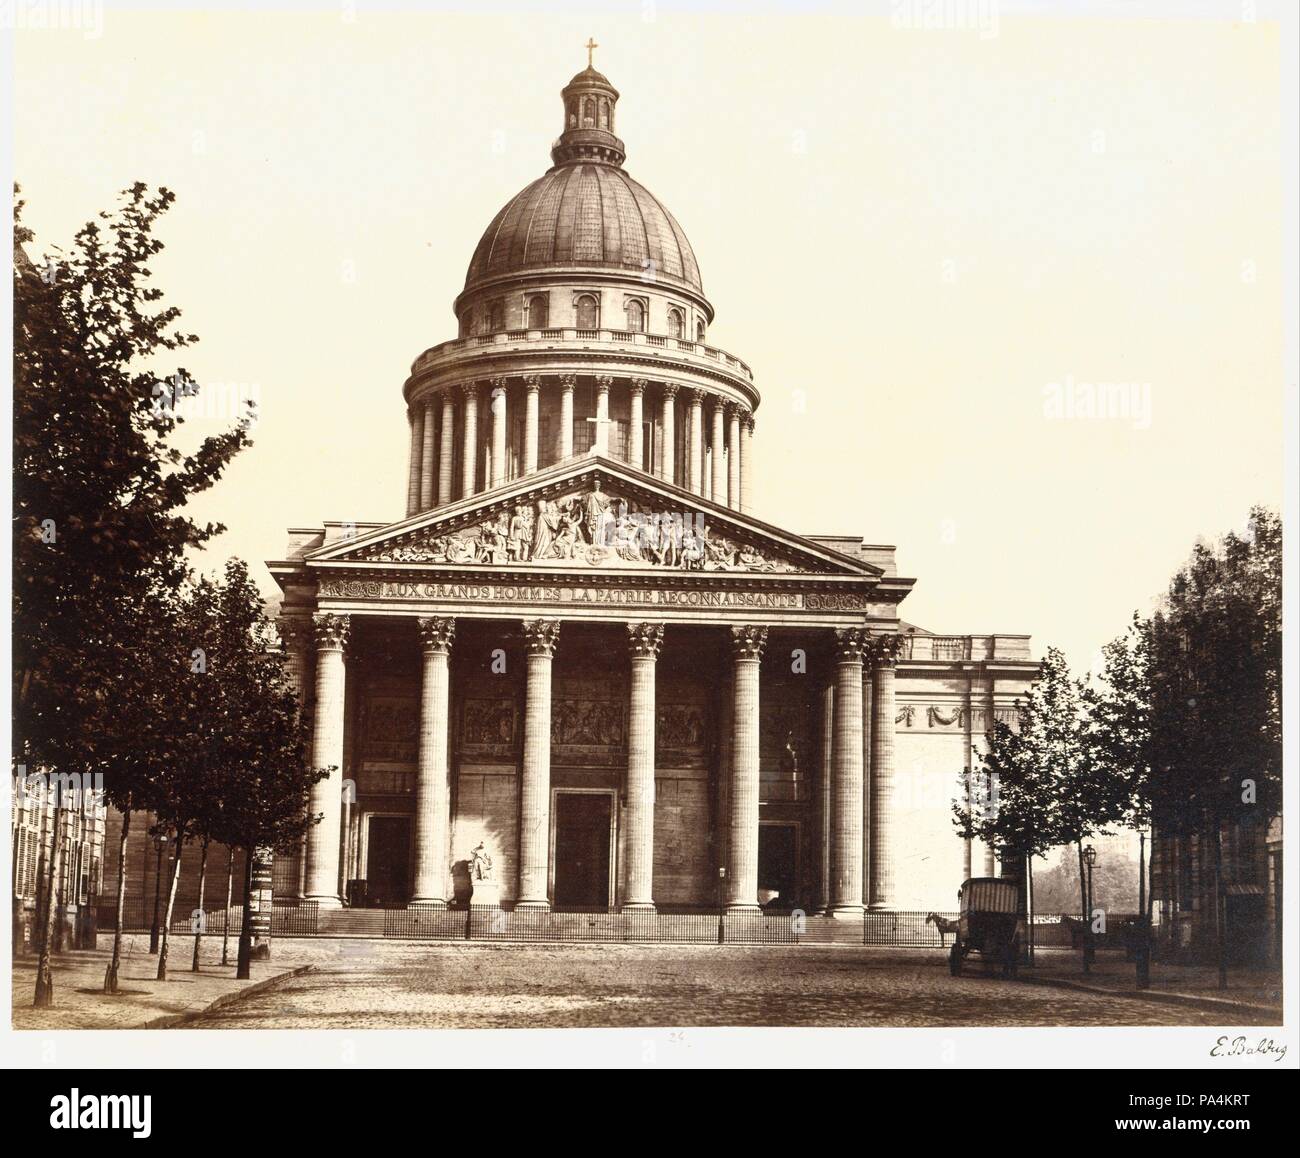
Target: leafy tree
(249, 784)
(99, 490)
(1215, 655)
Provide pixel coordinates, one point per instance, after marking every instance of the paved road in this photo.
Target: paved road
(388, 985)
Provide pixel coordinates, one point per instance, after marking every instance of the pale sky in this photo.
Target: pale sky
(911, 236)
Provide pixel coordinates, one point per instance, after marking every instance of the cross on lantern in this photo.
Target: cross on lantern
(591, 47)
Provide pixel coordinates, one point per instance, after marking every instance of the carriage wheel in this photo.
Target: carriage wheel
(954, 959)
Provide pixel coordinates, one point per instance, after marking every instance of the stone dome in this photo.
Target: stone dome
(580, 215)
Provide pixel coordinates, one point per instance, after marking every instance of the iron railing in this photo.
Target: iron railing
(905, 929)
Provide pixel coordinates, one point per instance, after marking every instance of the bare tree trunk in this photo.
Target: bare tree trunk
(1143, 939)
(200, 917)
(171, 900)
(1087, 920)
(44, 995)
(225, 924)
(245, 954)
(110, 975)
(1220, 905)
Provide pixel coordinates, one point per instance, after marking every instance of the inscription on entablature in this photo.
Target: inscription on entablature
(332, 588)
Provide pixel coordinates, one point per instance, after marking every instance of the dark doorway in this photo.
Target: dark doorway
(582, 825)
(388, 862)
(778, 865)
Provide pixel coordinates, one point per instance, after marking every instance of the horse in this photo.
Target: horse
(943, 924)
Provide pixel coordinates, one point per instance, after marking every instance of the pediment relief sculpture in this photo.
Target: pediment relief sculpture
(588, 527)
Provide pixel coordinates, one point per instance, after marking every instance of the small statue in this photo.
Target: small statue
(480, 864)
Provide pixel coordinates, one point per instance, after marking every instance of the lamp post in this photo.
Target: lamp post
(1089, 859)
(722, 889)
(159, 843)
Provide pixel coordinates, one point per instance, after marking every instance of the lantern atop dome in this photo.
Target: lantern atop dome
(588, 135)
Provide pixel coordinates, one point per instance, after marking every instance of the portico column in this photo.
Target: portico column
(882, 784)
(695, 426)
(448, 449)
(644, 641)
(498, 431)
(428, 467)
(747, 464)
(742, 846)
(327, 752)
(846, 777)
(635, 441)
(416, 417)
(603, 383)
(532, 388)
(469, 457)
(733, 457)
(567, 383)
(667, 425)
(718, 482)
(540, 636)
(433, 776)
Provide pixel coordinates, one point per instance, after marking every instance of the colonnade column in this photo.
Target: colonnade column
(532, 388)
(644, 642)
(695, 426)
(733, 457)
(718, 482)
(327, 752)
(846, 776)
(667, 425)
(415, 416)
(427, 476)
(603, 383)
(882, 783)
(741, 893)
(540, 636)
(567, 383)
(635, 441)
(469, 455)
(448, 449)
(747, 464)
(433, 776)
(498, 432)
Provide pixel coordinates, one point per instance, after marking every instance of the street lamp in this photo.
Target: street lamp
(159, 843)
(1090, 859)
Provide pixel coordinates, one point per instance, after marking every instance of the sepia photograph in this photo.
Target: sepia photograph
(686, 524)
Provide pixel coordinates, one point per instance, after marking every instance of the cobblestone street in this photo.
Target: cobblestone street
(383, 985)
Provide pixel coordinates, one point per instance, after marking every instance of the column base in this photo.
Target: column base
(879, 907)
(532, 906)
(435, 903)
(323, 901)
(740, 907)
(639, 907)
(845, 912)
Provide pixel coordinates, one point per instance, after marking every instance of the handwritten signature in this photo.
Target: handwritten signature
(1240, 1047)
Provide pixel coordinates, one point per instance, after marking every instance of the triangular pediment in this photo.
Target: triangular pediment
(591, 513)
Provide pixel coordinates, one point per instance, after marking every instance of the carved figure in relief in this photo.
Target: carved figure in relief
(545, 529)
(520, 539)
(595, 510)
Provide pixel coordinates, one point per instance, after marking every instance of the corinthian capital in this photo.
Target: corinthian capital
(331, 630)
(748, 641)
(638, 385)
(850, 643)
(532, 383)
(541, 636)
(436, 634)
(568, 382)
(644, 639)
(670, 390)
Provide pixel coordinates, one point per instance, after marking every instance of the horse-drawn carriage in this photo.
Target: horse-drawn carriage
(988, 924)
